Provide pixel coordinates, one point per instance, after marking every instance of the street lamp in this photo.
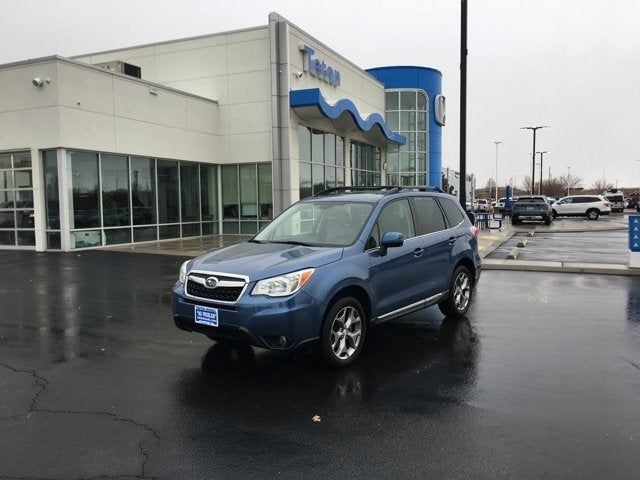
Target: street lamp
(568, 179)
(541, 171)
(533, 167)
(497, 143)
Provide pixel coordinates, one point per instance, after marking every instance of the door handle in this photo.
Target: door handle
(452, 240)
(417, 252)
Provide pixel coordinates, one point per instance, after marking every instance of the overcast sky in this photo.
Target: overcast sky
(571, 64)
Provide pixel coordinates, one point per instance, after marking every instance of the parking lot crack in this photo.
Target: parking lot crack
(39, 381)
(633, 364)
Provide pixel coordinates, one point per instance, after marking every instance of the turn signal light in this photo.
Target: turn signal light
(473, 231)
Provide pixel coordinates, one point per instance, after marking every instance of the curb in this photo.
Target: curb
(493, 246)
(523, 243)
(512, 255)
(562, 267)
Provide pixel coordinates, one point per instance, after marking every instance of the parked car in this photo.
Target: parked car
(633, 202)
(330, 267)
(616, 198)
(499, 206)
(591, 206)
(551, 200)
(482, 205)
(531, 208)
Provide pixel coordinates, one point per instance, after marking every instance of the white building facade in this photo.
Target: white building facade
(201, 136)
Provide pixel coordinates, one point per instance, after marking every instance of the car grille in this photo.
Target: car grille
(219, 294)
(222, 293)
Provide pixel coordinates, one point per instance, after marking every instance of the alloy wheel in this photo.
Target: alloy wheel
(462, 291)
(346, 332)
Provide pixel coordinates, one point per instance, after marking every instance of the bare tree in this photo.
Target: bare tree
(569, 181)
(525, 184)
(601, 185)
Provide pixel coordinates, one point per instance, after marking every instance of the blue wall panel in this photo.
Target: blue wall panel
(429, 80)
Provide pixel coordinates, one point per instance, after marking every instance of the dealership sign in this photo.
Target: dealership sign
(634, 233)
(318, 68)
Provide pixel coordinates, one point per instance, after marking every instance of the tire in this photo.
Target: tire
(456, 306)
(514, 220)
(554, 214)
(593, 214)
(338, 347)
(547, 220)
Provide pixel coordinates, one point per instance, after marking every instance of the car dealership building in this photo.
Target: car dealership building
(201, 136)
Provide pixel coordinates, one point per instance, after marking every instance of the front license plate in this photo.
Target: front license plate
(206, 315)
(529, 208)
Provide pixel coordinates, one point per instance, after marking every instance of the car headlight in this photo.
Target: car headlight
(283, 285)
(183, 272)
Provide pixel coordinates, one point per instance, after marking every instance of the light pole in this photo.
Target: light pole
(533, 166)
(463, 103)
(568, 179)
(497, 143)
(541, 171)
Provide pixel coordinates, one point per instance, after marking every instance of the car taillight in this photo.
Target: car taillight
(473, 231)
(607, 204)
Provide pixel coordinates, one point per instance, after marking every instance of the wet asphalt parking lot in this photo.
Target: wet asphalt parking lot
(542, 380)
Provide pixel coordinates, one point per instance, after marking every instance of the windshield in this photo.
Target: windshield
(320, 224)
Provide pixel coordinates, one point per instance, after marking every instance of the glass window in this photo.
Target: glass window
(396, 217)
(339, 151)
(317, 146)
(407, 121)
(190, 229)
(407, 162)
(5, 161)
(422, 101)
(166, 232)
(114, 236)
(85, 239)
(168, 203)
(422, 121)
(115, 190)
(330, 177)
(25, 219)
(84, 203)
(230, 206)
(145, 234)
(189, 192)
(265, 191)
(421, 142)
(304, 143)
(248, 192)
(26, 239)
(7, 237)
(6, 199)
(51, 191)
(23, 179)
(231, 228)
(53, 241)
(22, 160)
(318, 178)
(452, 210)
(329, 149)
(305, 180)
(209, 192)
(408, 100)
(393, 121)
(6, 179)
(7, 219)
(24, 198)
(391, 100)
(143, 190)
(429, 217)
(248, 228)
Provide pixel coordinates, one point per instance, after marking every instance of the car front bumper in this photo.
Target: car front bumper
(257, 320)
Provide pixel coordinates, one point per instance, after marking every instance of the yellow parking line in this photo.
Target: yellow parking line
(489, 237)
(481, 247)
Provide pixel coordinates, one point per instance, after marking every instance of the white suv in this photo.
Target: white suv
(590, 206)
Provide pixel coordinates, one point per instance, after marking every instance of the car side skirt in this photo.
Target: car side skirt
(427, 302)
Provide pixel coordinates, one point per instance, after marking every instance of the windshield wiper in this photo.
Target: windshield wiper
(292, 242)
(253, 240)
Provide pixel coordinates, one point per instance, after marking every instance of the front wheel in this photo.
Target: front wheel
(343, 331)
(593, 214)
(460, 294)
(554, 214)
(547, 220)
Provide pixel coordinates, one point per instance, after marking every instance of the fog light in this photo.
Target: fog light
(283, 340)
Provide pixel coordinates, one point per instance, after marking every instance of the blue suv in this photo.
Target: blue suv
(331, 266)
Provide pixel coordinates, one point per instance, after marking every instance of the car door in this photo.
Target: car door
(564, 205)
(397, 273)
(438, 243)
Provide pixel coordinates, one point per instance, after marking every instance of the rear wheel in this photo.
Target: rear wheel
(547, 220)
(515, 220)
(554, 214)
(343, 332)
(460, 294)
(593, 214)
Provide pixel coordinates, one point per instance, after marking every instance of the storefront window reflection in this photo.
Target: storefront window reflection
(321, 161)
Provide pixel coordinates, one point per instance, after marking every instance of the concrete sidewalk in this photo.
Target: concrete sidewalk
(564, 267)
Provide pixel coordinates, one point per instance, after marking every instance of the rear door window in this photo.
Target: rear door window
(429, 217)
(452, 211)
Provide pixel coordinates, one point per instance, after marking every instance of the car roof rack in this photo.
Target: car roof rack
(382, 190)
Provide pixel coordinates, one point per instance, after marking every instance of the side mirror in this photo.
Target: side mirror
(391, 239)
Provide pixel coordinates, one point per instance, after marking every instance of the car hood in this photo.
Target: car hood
(258, 260)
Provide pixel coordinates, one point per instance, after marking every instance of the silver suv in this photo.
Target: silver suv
(590, 206)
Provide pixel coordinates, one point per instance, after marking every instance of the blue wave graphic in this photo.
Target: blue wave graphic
(312, 97)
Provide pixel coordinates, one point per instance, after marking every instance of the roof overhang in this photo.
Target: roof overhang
(309, 104)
